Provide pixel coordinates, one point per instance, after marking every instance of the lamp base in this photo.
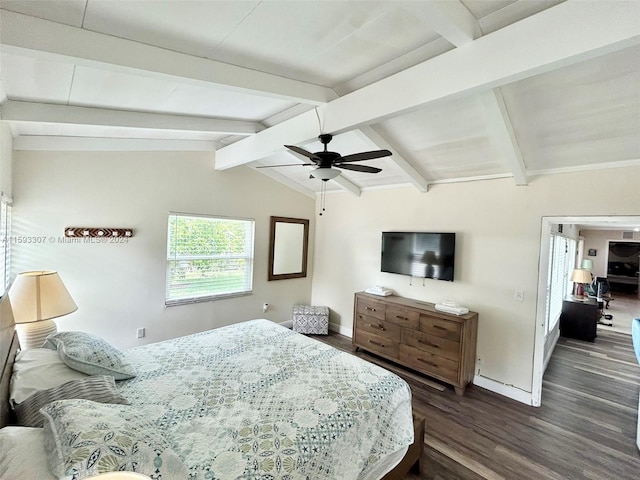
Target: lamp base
(33, 335)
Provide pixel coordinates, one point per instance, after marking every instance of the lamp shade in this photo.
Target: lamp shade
(39, 295)
(587, 264)
(580, 275)
(325, 173)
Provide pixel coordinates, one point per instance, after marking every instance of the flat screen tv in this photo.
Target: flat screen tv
(419, 254)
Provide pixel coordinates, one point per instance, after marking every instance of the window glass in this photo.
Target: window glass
(208, 258)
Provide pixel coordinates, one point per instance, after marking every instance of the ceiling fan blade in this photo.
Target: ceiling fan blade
(303, 152)
(288, 165)
(360, 168)
(358, 157)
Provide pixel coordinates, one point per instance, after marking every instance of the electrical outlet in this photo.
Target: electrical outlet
(265, 307)
(518, 295)
(140, 332)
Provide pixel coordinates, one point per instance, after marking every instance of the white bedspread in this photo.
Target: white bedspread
(258, 401)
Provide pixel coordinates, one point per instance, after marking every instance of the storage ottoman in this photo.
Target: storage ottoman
(311, 319)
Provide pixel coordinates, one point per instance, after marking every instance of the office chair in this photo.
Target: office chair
(601, 288)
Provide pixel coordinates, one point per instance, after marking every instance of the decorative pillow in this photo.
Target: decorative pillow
(99, 388)
(84, 438)
(22, 454)
(38, 369)
(90, 354)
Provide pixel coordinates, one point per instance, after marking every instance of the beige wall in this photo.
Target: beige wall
(599, 240)
(120, 287)
(498, 227)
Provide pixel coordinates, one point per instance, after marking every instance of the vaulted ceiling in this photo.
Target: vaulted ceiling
(457, 90)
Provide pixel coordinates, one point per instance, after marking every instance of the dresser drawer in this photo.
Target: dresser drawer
(371, 308)
(430, 343)
(377, 344)
(429, 363)
(402, 316)
(440, 327)
(378, 327)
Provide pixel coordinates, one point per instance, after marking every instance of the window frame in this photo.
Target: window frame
(248, 255)
(5, 242)
(559, 285)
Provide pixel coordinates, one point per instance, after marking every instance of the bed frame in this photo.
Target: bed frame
(9, 346)
(411, 459)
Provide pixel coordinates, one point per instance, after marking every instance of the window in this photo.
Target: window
(5, 243)
(208, 258)
(559, 283)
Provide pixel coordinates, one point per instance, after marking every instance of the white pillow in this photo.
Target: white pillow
(38, 369)
(22, 454)
(90, 354)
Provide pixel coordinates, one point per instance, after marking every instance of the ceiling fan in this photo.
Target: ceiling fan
(327, 163)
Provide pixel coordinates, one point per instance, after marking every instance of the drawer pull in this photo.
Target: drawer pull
(439, 327)
(427, 362)
(376, 343)
(428, 344)
(378, 326)
(401, 317)
(370, 309)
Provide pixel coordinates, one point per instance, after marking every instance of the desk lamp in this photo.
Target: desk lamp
(580, 276)
(36, 298)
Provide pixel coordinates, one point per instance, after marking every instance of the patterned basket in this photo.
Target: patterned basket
(311, 319)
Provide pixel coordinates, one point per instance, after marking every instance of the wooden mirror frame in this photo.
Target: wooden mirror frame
(272, 247)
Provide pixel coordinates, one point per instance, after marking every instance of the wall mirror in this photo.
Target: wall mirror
(288, 243)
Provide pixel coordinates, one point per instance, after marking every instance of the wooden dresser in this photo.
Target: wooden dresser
(416, 335)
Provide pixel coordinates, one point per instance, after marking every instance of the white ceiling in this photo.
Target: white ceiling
(457, 90)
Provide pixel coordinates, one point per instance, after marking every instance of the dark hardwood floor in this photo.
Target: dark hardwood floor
(585, 428)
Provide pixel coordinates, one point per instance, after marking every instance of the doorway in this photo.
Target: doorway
(622, 265)
(617, 223)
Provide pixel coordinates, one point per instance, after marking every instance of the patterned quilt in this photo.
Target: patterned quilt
(257, 401)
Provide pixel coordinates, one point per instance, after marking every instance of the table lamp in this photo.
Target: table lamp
(580, 276)
(587, 264)
(36, 298)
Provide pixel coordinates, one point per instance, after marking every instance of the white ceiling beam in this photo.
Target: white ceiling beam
(451, 20)
(34, 37)
(102, 144)
(348, 185)
(408, 170)
(499, 122)
(278, 177)
(568, 33)
(17, 111)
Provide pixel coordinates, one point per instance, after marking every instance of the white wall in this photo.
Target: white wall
(6, 145)
(120, 287)
(498, 227)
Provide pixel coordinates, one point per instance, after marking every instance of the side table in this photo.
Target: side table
(579, 319)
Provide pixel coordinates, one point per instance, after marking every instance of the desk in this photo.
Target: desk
(579, 319)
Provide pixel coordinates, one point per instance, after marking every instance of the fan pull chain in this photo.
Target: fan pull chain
(322, 196)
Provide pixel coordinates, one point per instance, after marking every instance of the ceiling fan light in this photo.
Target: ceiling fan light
(325, 173)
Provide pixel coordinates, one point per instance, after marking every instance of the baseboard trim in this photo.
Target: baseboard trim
(346, 331)
(509, 391)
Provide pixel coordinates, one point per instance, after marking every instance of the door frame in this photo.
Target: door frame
(613, 222)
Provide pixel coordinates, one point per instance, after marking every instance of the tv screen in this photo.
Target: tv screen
(419, 254)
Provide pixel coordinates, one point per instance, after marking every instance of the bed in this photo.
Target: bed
(249, 401)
